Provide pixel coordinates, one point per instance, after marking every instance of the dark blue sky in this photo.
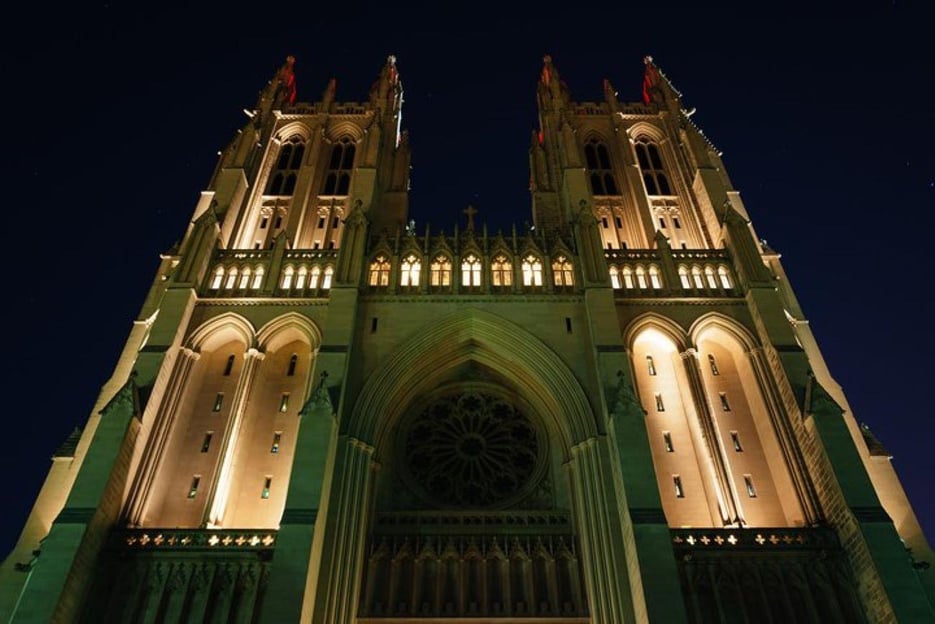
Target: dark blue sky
(114, 115)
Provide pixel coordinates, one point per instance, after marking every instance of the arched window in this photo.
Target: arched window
(217, 279)
(709, 276)
(282, 180)
(244, 278)
(326, 282)
(290, 371)
(641, 276)
(258, 278)
(409, 271)
(614, 277)
(683, 276)
(532, 271)
(501, 272)
(440, 276)
(314, 276)
(697, 282)
(338, 176)
(301, 277)
(654, 175)
(231, 278)
(655, 279)
(600, 172)
(470, 271)
(379, 272)
(287, 275)
(724, 275)
(628, 277)
(562, 273)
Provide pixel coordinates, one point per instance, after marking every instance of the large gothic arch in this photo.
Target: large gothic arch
(474, 336)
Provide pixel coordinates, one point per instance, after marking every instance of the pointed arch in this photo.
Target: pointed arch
(294, 128)
(473, 336)
(224, 326)
(715, 319)
(667, 326)
(288, 327)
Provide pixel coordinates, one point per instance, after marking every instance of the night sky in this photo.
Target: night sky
(114, 116)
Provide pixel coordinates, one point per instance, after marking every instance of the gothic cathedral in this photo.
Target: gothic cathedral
(326, 414)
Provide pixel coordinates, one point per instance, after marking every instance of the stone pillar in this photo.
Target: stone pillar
(220, 489)
(716, 458)
(56, 588)
(344, 530)
(597, 515)
(654, 570)
(291, 586)
(159, 435)
(889, 587)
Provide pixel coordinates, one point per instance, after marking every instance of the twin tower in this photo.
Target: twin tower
(323, 414)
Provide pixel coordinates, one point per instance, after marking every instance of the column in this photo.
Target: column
(220, 489)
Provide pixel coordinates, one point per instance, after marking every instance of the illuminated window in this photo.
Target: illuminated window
(284, 402)
(532, 271)
(751, 490)
(696, 277)
(290, 371)
(338, 177)
(206, 443)
(628, 277)
(267, 483)
(326, 282)
(193, 488)
(655, 279)
(314, 276)
(409, 271)
(562, 273)
(641, 276)
(257, 278)
(677, 484)
(231, 278)
(217, 279)
(650, 162)
(683, 276)
(277, 438)
(614, 277)
(650, 365)
(287, 276)
(440, 272)
(229, 366)
(600, 172)
(724, 276)
(713, 364)
(501, 272)
(218, 402)
(282, 181)
(667, 441)
(470, 271)
(709, 276)
(660, 407)
(379, 272)
(735, 439)
(300, 277)
(724, 404)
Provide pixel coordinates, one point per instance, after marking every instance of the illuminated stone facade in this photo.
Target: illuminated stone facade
(324, 414)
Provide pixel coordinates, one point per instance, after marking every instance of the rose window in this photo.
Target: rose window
(472, 449)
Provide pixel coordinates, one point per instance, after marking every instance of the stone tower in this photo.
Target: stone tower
(616, 414)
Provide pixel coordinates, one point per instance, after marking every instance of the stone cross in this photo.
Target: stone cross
(470, 211)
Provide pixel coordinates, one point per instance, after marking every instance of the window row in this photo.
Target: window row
(501, 275)
(305, 277)
(630, 277)
(274, 447)
(648, 157)
(680, 489)
(237, 278)
(196, 484)
(708, 276)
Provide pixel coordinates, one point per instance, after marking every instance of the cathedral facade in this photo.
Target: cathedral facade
(325, 414)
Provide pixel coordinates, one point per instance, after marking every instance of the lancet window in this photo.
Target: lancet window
(379, 272)
(471, 271)
(440, 272)
(562, 272)
(600, 172)
(532, 271)
(282, 180)
(338, 176)
(409, 270)
(501, 272)
(651, 167)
